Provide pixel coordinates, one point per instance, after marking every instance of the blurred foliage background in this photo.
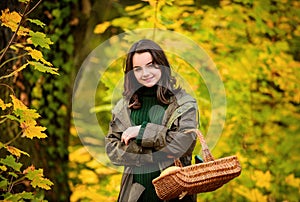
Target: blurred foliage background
(255, 47)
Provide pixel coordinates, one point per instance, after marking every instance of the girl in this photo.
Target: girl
(147, 128)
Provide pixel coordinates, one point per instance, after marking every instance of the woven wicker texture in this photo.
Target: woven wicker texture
(197, 178)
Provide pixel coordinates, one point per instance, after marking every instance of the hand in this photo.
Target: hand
(130, 133)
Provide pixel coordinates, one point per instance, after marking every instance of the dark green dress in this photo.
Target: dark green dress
(150, 112)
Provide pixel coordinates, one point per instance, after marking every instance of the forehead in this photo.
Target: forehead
(141, 59)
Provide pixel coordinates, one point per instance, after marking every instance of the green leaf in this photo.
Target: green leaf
(18, 196)
(24, 1)
(3, 184)
(11, 117)
(13, 174)
(11, 162)
(38, 180)
(42, 68)
(39, 39)
(37, 22)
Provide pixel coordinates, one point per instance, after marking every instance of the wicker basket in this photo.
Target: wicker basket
(197, 178)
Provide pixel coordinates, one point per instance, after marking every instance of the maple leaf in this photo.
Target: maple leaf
(37, 22)
(37, 55)
(30, 168)
(15, 151)
(38, 180)
(11, 162)
(30, 130)
(39, 39)
(18, 104)
(12, 20)
(42, 68)
(100, 28)
(29, 114)
(22, 110)
(3, 105)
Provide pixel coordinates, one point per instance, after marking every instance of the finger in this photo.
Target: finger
(126, 140)
(123, 137)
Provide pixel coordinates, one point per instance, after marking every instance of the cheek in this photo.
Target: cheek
(136, 75)
(159, 74)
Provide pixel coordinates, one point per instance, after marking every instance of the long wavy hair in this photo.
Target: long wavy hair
(166, 87)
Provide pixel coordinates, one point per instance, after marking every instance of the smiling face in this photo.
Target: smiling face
(145, 72)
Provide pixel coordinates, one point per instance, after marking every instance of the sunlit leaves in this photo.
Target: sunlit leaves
(10, 161)
(12, 20)
(3, 106)
(17, 113)
(15, 151)
(100, 28)
(43, 68)
(37, 22)
(27, 117)
(31, 130)
(39, 39)
(37, 55)
(38, 180)
(19, 196)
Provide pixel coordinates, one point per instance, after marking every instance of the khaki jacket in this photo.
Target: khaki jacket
(167, 139)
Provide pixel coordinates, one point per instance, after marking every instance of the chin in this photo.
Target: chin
(149, 85)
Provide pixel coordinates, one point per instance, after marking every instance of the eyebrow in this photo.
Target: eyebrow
(145, 65)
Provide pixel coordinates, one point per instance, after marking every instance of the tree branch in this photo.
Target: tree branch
(15, 33)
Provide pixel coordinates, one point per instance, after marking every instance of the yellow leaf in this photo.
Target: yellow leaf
(88, 177)
(37, 55)
(251, 194)
(291, 180)
(18, 104)
(3, 105)
(30, 130)
(3, 168)
(29, 114)
(100, 28)
(28, 169)
(262, 179)
(15, 151)
(12, 20)
(21, 110)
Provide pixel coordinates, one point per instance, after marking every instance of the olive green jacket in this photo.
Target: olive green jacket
(168, 139)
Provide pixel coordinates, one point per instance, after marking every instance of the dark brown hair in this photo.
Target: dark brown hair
(166, 87)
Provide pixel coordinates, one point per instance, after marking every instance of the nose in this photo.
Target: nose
(145, 72)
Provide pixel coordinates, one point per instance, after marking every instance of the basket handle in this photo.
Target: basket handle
(207, 156)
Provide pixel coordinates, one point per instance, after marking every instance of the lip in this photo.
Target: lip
(148, 80)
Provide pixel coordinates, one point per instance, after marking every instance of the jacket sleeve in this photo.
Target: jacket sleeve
(173, 140)
(121, 154)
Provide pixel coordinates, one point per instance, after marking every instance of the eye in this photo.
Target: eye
(150, 65)
(137, 69)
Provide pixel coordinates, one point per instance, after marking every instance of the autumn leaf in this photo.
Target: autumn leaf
(42, 68)
(30, 130)
(262, 179)
(19, 196)
(18, 104)
(15, 151)
(37, 55)
(38, 180)
(100, 28)
(37, 22)
(3, 105)
(22, 111)
(39, 39)
(29, 168)
(12, 20)
(11, 162)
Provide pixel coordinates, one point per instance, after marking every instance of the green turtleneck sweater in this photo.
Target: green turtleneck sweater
(150, 112)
